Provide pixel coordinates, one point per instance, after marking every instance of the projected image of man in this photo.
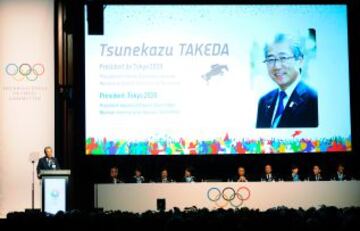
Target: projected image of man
(293, 103)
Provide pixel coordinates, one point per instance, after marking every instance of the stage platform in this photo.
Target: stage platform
(213, 195)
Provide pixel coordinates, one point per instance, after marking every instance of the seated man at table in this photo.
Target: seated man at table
(340, 173)
(114, 175)
(316, 174)
(188, 177)
(164, 177)
(268, 174)
(294, 176)
(241, 177)
(137, 178)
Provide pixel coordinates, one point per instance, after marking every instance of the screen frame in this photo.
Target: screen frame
(211, 3)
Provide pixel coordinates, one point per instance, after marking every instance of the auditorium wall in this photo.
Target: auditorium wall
(26, 97)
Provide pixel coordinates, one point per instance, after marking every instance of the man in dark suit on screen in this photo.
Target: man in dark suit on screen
(48, 162)
(293, 103)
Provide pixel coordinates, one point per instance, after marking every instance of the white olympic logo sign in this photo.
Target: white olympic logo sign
(228, 195)
(25, 70)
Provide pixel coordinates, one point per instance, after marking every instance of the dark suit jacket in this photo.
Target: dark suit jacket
(301, 109)
(118, 180)
(313, 178)
(263, 177)
(159, 180)
(345, 177)
(134, 179)
(43, 164)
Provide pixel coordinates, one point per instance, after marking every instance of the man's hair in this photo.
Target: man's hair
(47, 147)
(294, 166)
(294, 43)
(189, 169)
(114, 167)
(340, 164)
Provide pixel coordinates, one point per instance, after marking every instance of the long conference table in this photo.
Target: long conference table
(213, 195)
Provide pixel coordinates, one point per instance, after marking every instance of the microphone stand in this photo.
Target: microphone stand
(33, 186)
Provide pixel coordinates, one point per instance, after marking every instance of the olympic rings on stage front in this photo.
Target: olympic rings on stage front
(229, 195)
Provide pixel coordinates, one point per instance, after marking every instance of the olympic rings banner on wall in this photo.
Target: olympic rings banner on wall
(25, 70)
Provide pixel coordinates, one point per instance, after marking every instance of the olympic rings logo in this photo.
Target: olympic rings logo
(228, 195)
(25, 70)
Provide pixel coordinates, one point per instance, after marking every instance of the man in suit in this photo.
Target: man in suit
(294, 176)
(138, 177)
(268, 175)
(241, 176)
(316, 175)
(293, 103)
(188, 177)
(340, 173)
(114, 175)
(164, 177)
(48, 162)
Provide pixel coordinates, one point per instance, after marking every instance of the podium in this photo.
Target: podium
(54, 190)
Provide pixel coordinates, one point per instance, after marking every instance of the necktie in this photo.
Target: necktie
(340, 176)
(295, 177)
(280, 108)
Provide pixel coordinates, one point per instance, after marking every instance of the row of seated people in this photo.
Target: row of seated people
(268, 176)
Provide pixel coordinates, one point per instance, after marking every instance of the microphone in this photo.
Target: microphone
(52, 163)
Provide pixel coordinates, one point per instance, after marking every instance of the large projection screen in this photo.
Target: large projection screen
(218, 79)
